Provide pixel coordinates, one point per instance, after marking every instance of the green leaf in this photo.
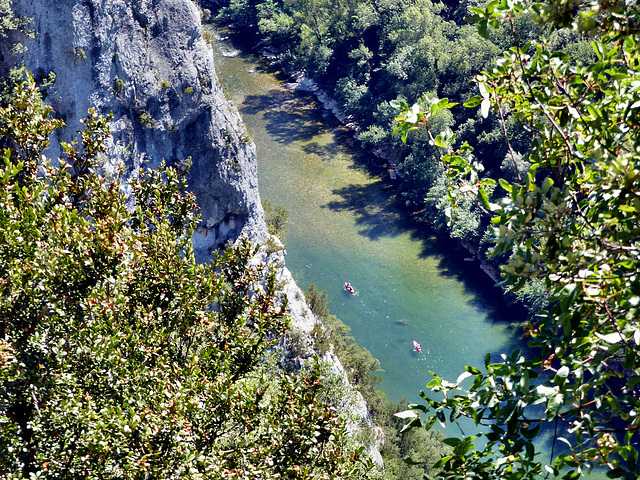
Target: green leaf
(441, 418)
(443, 461)
(415, 423)
(482, 28)
(554, 404)
(452, 442)
(611, 338)
(407, 414)
(472, 370)
(399, 104)
(485, 105)
(430, 422)
(483, 197)
(440, 142)
(473, 102)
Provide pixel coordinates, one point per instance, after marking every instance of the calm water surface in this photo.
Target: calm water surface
(343, 227)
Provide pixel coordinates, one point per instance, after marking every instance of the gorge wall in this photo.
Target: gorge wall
(146, 61)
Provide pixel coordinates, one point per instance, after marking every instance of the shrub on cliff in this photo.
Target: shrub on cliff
(120, 357)
(276, 218)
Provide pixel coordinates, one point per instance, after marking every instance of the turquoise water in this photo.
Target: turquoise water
(343, 227)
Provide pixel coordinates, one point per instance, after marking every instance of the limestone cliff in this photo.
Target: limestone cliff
(146, 61)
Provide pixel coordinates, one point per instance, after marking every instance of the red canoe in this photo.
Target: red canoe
(349, 287)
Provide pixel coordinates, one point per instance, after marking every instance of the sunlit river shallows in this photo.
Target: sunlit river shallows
(342, 227)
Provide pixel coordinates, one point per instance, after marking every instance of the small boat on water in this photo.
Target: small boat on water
(349, 287)
(417, 346)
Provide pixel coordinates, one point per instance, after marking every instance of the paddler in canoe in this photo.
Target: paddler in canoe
(349, 287)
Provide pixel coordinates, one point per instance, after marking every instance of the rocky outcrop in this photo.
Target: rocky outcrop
(146, 61)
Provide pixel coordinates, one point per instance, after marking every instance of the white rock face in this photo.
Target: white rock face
(146, 61)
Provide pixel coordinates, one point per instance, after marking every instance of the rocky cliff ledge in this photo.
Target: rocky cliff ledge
(146, 61)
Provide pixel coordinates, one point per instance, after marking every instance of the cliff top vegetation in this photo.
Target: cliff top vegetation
(120, 356)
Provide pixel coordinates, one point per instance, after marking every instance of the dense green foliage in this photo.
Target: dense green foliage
(360, 366)
(370, 53)
(276, 218)
(9, 22)
(120, 357)
(16, 27)
(571, 221)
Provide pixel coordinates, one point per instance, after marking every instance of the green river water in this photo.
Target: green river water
(343, 227)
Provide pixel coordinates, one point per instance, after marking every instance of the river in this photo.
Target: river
(343, 226)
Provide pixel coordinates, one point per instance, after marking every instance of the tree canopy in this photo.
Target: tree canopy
(570, 219)
(120, 356)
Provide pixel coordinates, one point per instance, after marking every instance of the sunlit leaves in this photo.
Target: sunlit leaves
(571, 222)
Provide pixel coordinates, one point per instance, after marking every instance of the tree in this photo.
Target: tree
(570, 221)
(11, 26)
(276, 219)
(8, 20)
(120, 357)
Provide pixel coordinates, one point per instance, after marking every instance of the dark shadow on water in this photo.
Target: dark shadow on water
(325, 152)
(379, 213)
(374, 217)
(285, 114)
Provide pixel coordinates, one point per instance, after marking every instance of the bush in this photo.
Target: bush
(120, 357)
(318, 301)
(276, 219)
(79, 53)
(118, 86)
(207, 36)
(146, 119)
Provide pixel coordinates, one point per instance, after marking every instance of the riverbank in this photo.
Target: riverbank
(347, 223)
(386, 170)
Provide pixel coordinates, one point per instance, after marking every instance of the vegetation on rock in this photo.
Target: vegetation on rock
(120, 357)
(276, 218)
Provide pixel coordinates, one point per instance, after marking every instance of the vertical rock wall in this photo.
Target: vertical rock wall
(146, 61)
